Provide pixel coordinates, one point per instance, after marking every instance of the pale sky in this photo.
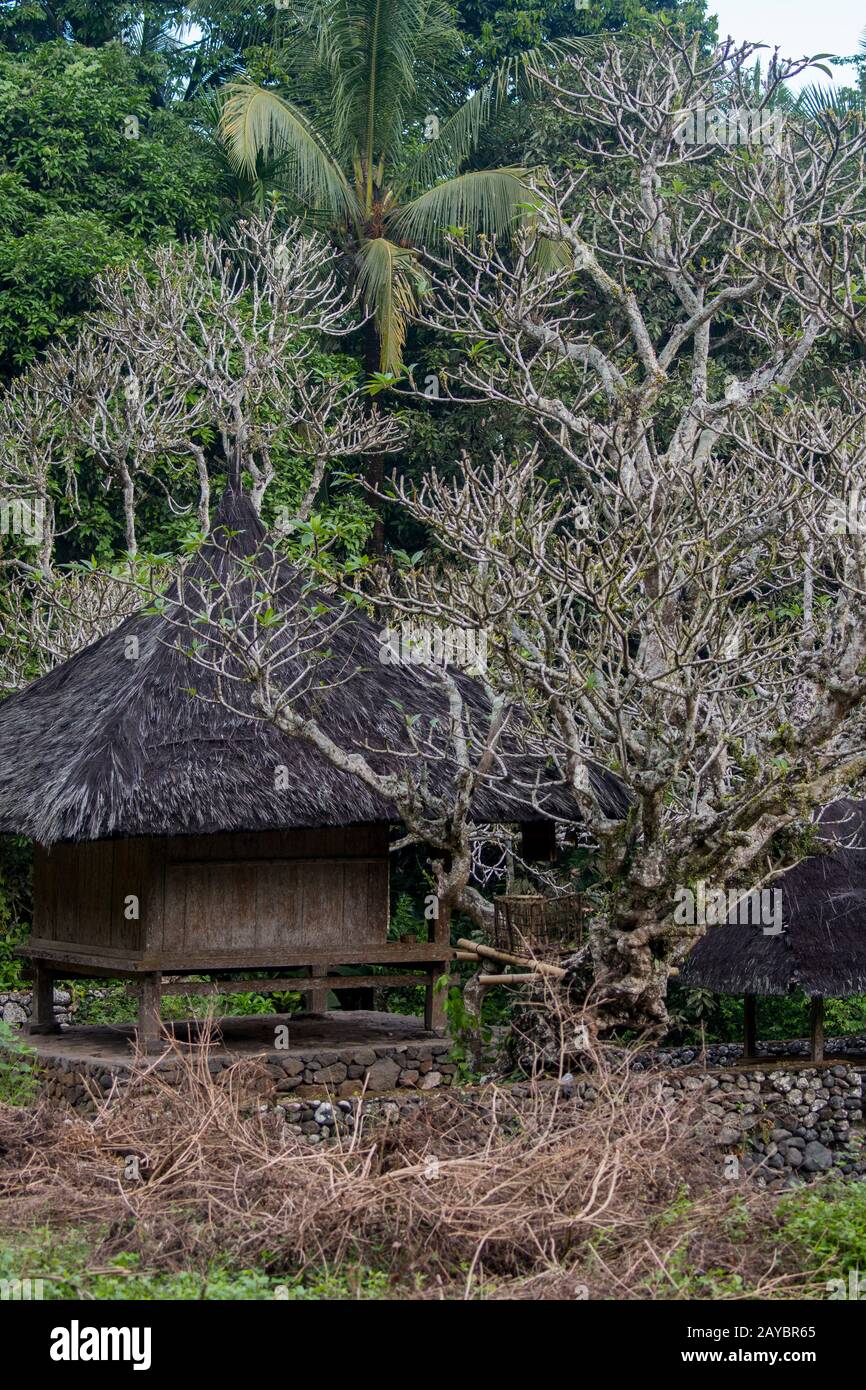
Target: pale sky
(799, 27)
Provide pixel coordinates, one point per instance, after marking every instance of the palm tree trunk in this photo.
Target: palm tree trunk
(375, 470)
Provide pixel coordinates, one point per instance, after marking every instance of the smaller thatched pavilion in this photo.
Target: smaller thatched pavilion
(822, 948)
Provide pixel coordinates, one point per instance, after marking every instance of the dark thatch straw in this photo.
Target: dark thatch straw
(105, 746)
(822, 950)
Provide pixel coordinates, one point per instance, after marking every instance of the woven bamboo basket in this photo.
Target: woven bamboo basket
(531, 924)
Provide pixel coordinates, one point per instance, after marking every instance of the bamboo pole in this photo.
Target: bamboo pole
(509, 979)
(489, 953)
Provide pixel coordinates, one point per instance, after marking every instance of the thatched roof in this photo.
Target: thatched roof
(106, 746)
(822, 950)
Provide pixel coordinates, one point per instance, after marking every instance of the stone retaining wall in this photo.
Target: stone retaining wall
(788, 1121)
(323, 1075)
(728, 1054)
(792, 1124)
(17, 1006)
(319, 1120)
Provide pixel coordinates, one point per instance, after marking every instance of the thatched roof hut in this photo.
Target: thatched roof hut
(105, 745)
(175, 834)
(822, 948)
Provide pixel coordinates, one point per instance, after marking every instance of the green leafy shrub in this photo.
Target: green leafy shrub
(828, 1223)
(16, 867)
(18, 1082)
(719, 1017)
(107, 1002)
(65, 1268)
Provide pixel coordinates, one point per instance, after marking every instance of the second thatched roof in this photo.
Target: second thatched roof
(822, 949)
(105, 746)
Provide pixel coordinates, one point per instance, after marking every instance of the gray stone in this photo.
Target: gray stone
(817, 1158)
(383, 1074)
(732, 1121)
(330, 1075)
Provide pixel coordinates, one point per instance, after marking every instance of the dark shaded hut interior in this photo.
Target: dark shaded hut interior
(175, 836)
(821, 950)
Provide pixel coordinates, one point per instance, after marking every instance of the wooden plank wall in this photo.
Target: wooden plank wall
(320, 889)
(309, 888)
(81, 893)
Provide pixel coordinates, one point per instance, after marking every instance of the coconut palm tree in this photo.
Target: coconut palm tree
(370, 142)
(817, 102)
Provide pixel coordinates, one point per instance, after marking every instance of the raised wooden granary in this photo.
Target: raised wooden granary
(175, 836)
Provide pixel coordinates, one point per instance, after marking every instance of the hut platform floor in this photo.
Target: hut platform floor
(340, 1033)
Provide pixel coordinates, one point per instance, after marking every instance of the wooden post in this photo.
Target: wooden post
(473, 1002)
(439, 933)
(750, 1026)
(817, 1028)
(318, 998)
(150, 1037)
(435, 1014)
(42, 1018)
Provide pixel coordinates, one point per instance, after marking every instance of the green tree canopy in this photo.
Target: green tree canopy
(93, 170)
(359, 103)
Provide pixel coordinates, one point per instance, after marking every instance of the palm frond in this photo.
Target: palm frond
(374, 47)
(483, 200)
(256, 121)
(387, 278)
(550, 257)
(458, 136)
(836, 103)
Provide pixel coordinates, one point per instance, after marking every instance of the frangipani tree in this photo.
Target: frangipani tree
(681, 597)
(216, 338)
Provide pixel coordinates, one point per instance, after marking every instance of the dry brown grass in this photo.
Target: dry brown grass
(530, 1194)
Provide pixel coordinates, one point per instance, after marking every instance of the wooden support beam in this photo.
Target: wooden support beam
(288, 983)
(150, 1033)
(750, 1026)
(435, 1013)
(817, 1028)
(42, 1018)
(489, 953)
(65, 957)
(317, 1002)
(516, 979)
